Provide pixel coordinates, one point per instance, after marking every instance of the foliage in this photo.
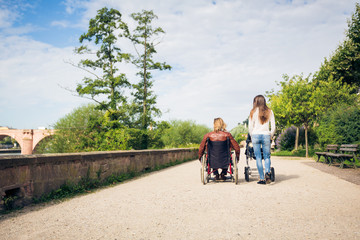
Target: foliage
(295, 153)
(9, 202)
(71, 131)
(295, 104)
(340, 125)
(88, 129)
(143, 38)
(330, 93)
(286, 140)
(239, 132)
(7, 140)
(184, 133)
(105, 89)
(344, 64)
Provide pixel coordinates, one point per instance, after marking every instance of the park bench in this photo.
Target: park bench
(331, 148)
(346, 152)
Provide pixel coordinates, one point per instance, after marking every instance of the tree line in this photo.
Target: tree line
(326, 102)
(115, 121)
(322, 107)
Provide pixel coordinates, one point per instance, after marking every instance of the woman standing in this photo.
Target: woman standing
(260, 119)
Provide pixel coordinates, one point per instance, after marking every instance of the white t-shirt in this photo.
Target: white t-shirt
(255, 127)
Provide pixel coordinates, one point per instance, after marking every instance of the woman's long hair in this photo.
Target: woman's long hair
(264, 111)
(219, 125)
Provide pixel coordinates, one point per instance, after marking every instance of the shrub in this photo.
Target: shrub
(239, 132)
(340, 125)
(286, 140)
(184, 133)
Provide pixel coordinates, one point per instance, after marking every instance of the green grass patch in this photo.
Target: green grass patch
(295, 153)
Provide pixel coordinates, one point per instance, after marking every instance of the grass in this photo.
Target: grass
(295, 153)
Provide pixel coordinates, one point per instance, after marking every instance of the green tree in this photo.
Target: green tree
(184, 134)
(106, 85)
(71, 131)
(296, 101)
(239, 132)
(344, 64)
(144, 38)
(331, 93)
(282, 105)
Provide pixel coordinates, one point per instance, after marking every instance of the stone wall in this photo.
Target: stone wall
(30, 176)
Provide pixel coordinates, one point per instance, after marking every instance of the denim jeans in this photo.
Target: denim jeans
(262, 141)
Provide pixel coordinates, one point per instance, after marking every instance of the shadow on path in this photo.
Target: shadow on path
(278, 178)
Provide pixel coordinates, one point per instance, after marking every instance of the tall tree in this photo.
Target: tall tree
(145, 38)
(295, 103)
(344, 64)
(106, 84)
(281, 104)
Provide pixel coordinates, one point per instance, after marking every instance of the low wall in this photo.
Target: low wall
(30, 176)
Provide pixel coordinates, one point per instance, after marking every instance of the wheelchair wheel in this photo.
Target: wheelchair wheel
(235, 173)
(203, 171)
(247, 174)
(272, 176)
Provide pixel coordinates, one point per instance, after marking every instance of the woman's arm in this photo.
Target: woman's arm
(272, 122)
(251, 125)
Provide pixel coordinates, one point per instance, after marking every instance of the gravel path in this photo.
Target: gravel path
(303, 203)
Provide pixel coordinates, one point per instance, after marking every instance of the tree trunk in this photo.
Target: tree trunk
(306, 141)
(297, 138)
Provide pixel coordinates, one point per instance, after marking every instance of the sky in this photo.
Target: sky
(223, 53)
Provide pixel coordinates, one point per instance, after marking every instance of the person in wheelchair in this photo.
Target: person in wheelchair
(216, 137)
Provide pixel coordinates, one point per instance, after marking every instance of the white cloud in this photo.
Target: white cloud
(223, 55)
(63, 24)
(6, 18)
(29, 83)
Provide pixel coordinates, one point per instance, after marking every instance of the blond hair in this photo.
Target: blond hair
(264, 111)
(219, 125)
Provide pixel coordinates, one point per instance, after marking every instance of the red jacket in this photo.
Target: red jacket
(219, 136)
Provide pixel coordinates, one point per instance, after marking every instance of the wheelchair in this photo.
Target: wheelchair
(250, 155)
(218, 155)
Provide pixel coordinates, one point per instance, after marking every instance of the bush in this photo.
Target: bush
(184, 134)
(239, 132)
(340, 125)
(286, 140)
(71, 135)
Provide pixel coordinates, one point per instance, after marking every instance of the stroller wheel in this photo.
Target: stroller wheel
(272, 176)
(246, 172)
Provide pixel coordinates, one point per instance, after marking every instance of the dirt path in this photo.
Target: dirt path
(303, 203)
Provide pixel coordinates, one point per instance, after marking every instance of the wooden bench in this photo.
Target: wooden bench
(346, 152)
(331, 148)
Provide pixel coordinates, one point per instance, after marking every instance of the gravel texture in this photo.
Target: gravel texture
(303, 203)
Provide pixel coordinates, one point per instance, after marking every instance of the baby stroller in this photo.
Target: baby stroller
(250, 155)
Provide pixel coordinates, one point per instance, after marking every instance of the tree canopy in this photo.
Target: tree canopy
(106, 84)
(344, 64)
(144, 38)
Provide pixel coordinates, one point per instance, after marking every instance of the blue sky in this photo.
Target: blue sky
(223, 53)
